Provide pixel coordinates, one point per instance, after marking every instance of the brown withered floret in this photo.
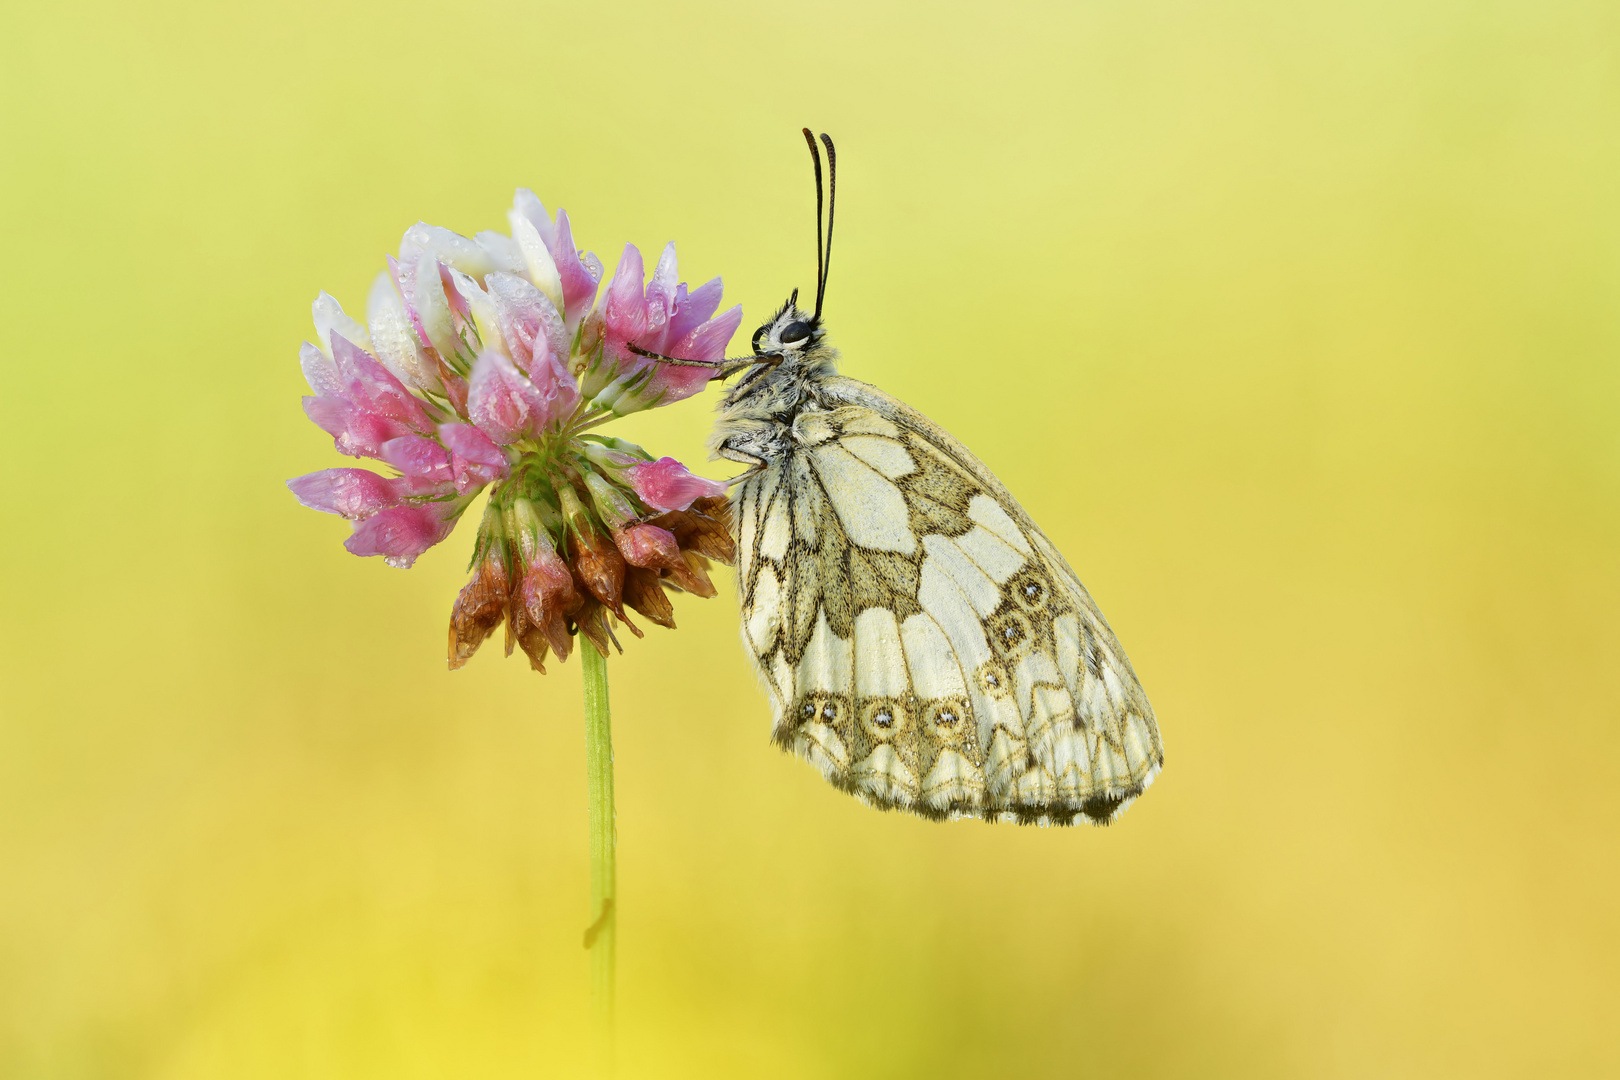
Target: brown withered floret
(600, 569)
(520, 631)
(644, 594)
(479, 609)
(656, 549)
(705, 528)
(592, 621)
(547, 597)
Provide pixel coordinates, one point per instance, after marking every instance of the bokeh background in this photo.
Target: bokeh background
(1295, 324)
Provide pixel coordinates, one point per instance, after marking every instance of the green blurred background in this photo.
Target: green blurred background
(1294, 324)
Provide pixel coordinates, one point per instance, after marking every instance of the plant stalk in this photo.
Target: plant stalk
(601, 938)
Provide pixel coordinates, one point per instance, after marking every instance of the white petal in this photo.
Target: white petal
(483, 310)
(432, 307)
(393, 340)
(328, 314)
(451, 248)
(542, 269)
(320, 372)
(526, 205)
(502, 251)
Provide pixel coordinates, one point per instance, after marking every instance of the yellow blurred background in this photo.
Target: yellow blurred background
(1294, 324)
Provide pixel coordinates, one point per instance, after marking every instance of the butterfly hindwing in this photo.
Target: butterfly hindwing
(923, 643)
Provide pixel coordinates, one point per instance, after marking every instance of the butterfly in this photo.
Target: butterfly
(921, 640)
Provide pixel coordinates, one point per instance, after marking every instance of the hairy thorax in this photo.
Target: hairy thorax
(756, 418)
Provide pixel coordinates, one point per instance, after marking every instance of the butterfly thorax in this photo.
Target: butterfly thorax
(756, 416)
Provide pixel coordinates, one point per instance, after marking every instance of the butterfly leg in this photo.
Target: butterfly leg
(755, 445)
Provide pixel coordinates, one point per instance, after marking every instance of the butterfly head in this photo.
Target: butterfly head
(789, 334)
(788, 348)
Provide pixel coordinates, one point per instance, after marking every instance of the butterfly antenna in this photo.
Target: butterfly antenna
(832, 205)
(815, 157)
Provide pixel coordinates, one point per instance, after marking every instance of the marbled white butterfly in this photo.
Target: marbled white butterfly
(922, 641)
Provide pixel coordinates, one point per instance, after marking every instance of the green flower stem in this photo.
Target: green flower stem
(602, 936)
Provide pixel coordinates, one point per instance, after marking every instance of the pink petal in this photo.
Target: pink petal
(647, 545)
(453, 294)
(505, 404)
(369, 384)
(672, 382)
(331, 415)
(356, 430)
(400, 533)
(474, 459)
(625, 308)
(470, 477)
(455, 389)
(551, 377)
(580, 278)
(468, 442)
(669, 384)
(708, 342)
(661, 292)
(411, 488)
(353, 493)
(528, 320)
(692, 309)
(419, 458)
(668, 485)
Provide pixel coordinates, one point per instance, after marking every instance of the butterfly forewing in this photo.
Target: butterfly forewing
(922, 641)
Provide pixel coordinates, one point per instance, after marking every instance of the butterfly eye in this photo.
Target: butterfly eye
(797, 331)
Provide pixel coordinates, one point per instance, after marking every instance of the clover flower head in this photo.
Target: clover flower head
(485, 363)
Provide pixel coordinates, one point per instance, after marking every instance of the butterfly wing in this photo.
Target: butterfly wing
(923, 642)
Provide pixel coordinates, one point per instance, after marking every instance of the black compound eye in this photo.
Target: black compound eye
(792, 332)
